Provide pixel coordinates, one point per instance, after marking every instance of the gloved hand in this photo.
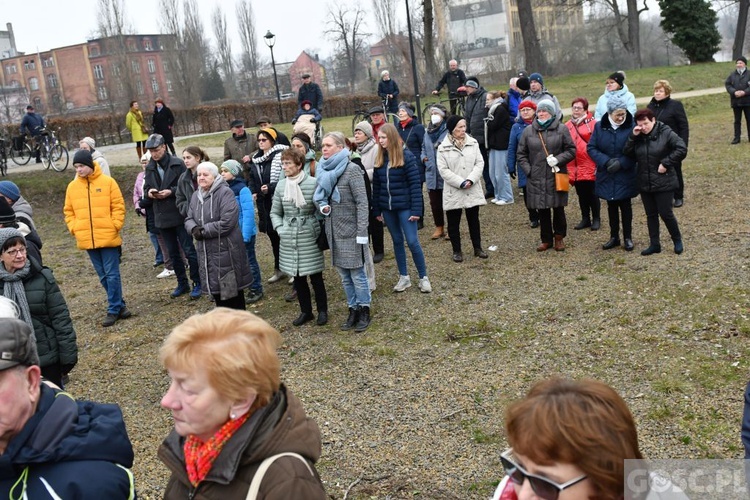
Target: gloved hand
(613, 165)
(197, 233)
(140, 212)
(294, 121)
(512, 175)
(552, 161)
(466, 184)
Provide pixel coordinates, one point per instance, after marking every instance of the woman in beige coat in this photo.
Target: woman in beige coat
(460, 165)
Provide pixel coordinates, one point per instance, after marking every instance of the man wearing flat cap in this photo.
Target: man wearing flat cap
(738, 87)
(241, 146)
(52, 446)
(310, 91)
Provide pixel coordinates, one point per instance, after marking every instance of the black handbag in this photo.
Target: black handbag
(322, 240)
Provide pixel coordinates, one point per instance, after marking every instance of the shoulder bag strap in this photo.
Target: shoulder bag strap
(544, 146)
(252, 493)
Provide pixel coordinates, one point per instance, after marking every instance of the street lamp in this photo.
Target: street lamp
(270, 40)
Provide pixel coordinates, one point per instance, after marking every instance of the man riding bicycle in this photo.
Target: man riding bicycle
(33, 123)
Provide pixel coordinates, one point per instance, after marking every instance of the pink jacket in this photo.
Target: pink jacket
(582, 168)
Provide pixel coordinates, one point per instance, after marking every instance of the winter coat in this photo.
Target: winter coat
(672, 114)
(221, 250)
(94, 211)
(662, 146)
(475, 112)
(432, 140)
(186, 186)
(453, 79)
(280, 426)
(69, 449)
(497, 126)
(623, 94)
(166, 213)
(349, 219)
(455, 166)
(305, 123)
(389, 87)
(236, 148)
(298, 230)
(144, 203)
(55, 336)
(607, 143)
(99, 158)
(244, 199)
(163, 121)
(582, 168)
(368, 152)
(537, 97)
(412, 133)
(310, 92)
(514, 99)
(260, 174)
(736, 81)
(32, 123)
(515, 136)
(132, 124)
(312, 113)
(532, 158)
(397, 188)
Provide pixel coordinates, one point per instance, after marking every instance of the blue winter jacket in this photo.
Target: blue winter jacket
(515, 136)
(607, 143)
(69, 449)
(32, 123)
(247, 208)
(624, 94)
(514, 99)
(397, 188)
(389, 87)
(432, 140)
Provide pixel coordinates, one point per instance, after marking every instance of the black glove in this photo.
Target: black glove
(140, 212)
(294, 121)
(65, 369)
(613, 165)
(513, 175)
(197, 233)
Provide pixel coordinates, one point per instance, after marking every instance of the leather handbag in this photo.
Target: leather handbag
(562, 181)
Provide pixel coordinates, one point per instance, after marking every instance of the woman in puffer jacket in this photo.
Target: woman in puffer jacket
(615, 88)
(656, 149)
(582, 170)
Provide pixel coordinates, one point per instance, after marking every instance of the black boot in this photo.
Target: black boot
(352, 319)
(364, 319)
(585, 222)
(596, 224)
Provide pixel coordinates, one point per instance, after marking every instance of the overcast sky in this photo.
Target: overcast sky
(46, 24)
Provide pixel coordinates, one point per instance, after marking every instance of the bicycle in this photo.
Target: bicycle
(459, 97)
(53, 154)
(3, 157)
(20, 150)
(363, 114)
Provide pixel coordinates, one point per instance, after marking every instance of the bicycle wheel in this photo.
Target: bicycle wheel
(58, 158)
(22, 156)
(358, 117)
(426, 115)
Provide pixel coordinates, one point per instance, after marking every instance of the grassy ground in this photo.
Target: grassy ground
(414, 407)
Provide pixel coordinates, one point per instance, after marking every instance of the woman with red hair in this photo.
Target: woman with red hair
(582, 170)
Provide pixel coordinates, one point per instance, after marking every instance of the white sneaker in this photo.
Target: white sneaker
(291, 281)
(166, 273)
(277, 275)
(503, 202)
(404, 282)
(424, 285)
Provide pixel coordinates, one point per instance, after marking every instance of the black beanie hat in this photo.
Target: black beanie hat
(618, 77)
(84, 157)
(7, 215)
(451, 122)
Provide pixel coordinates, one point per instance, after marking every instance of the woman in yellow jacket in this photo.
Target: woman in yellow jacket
(95, 213)
(138, 129)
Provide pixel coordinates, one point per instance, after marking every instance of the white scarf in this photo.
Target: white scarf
(292, 191)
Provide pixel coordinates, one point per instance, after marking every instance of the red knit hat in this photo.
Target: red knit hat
(527, 103)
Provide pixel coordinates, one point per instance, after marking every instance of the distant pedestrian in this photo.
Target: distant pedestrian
(163, 122)
(310, 91)
(388, 92)
(738, 87)
(138, 129)
(453, 78)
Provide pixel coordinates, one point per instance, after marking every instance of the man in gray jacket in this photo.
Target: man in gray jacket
(474, 113)
(241, 145)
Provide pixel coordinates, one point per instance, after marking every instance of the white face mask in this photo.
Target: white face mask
(435, 119)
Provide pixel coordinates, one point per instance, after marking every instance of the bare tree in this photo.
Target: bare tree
(429, 40)
(250, 58)
(345, 27)
(739, 36)
(119, 83)
(388, 29)
(535, 59)
(224, 48)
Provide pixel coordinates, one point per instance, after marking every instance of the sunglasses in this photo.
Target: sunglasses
(543, 488)
(262, 140)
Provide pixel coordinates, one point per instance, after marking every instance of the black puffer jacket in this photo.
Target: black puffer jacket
(661, 146)
(166, 214)
(736, 81)
(672, 114)
(498, 126)
(475, 113)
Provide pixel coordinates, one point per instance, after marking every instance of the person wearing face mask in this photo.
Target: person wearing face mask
(615, 88)
(436, 132)
(615, 172)
(582, 170)
(162, 122)
(738, 88)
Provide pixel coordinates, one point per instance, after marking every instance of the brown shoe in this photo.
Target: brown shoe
(439, 233)
(543, 246)
(559, 244)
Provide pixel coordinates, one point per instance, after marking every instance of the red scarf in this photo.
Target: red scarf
(200, 456)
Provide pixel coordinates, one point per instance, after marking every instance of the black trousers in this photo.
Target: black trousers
(375, 228)
(587, 200)
(303, 293)
(614, 209)
(436, 204)
(53, 373)
(533, 212)
(454, 227)
(275, 244)
(660, 205)
(679, 194)
(174, 238)
(738, 112)
(236, 302)
(550, 227)
(489, 188)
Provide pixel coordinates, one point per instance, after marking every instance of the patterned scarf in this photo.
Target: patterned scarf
(200, 456)
(459, 143)
(138, 116)
(14, 290)
(292, 191)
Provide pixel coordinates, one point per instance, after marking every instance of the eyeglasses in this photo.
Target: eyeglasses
(577, 108)
(544, 488)
(261, 139)
(16, 252)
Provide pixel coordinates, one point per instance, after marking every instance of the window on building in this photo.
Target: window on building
(94, 51)
(139, 87)
(132, 47)
(136, 67)
(56, 100)
(98, 72)
(52, 80)
(169, 85)
(38, 102)
(147, 44)
(29, 64)
(151, 66)
(15, 84)
(154, 85)
(33, 83)
(165, 65)
(48, 62)
(102, 93)
(115, 70)
(11, 68)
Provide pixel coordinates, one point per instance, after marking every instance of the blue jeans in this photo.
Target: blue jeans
(158, 257)
(257, 285)
(499, 175)
(106, 261)
(399, 226)
(176, 237)
(356, 286)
